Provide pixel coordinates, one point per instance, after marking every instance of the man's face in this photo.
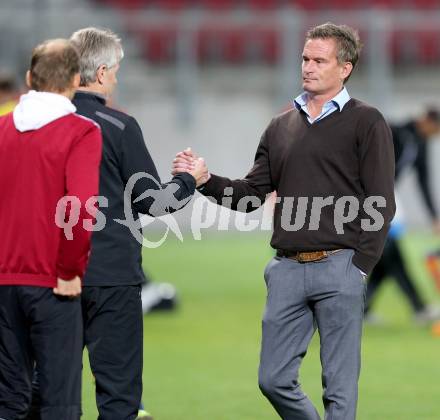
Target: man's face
(321, 72)
(109, 79)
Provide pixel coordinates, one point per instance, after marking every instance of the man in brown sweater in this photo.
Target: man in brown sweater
(331, 161)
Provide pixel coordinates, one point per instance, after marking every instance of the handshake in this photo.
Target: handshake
(187, 161)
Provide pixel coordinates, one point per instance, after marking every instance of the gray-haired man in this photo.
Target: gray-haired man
(112, 307)
(334, 154)
(111, 300)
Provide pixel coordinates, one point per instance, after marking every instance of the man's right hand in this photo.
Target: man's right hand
(187, 161)
(68, 288)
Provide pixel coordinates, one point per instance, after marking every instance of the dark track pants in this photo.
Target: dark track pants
(113, 334)
(39, 327)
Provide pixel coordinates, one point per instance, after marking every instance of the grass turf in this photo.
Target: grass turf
(200, 362)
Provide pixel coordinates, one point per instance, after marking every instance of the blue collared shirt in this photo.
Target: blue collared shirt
(337, 103)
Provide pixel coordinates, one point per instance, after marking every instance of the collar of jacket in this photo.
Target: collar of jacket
(81, 94)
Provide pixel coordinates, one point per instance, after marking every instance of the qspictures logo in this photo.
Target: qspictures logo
(293, 213)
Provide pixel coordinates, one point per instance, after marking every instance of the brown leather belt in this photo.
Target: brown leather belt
(309, 256)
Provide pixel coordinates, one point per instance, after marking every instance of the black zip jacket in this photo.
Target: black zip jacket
(116, 254)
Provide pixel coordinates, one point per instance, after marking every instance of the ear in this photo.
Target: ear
(76, 81)
(346, 70)
(100, 74)
(28, 79)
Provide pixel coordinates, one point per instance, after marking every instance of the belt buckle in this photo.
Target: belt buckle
(313, 256)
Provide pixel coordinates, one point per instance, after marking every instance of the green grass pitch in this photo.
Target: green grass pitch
(200, 362)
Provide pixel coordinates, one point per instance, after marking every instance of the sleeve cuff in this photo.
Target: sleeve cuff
(66, 275)
(203, 186)
(188, 180)
(207, 187)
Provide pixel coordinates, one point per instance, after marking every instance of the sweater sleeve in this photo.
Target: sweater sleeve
(245, 194)
(149, 195)
(376, 160)
(82, 182)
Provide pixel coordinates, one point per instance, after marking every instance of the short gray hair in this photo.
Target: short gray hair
(347, 40)
(96, 47)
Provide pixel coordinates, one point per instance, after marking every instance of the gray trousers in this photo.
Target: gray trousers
(327, 294)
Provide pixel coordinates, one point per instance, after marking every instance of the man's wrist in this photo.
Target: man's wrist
(202, 186)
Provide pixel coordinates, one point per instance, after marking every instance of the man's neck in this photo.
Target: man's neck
(315, 102)
(66, 93)
(92, 89)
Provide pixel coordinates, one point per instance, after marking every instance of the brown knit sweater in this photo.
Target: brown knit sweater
(348, 153)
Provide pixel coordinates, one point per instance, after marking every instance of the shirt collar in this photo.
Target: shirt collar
(340, 100)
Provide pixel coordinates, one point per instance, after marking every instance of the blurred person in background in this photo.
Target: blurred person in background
(329, 145)
(46, 152)
(111, 298)
(8, 94)
(411, 143)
